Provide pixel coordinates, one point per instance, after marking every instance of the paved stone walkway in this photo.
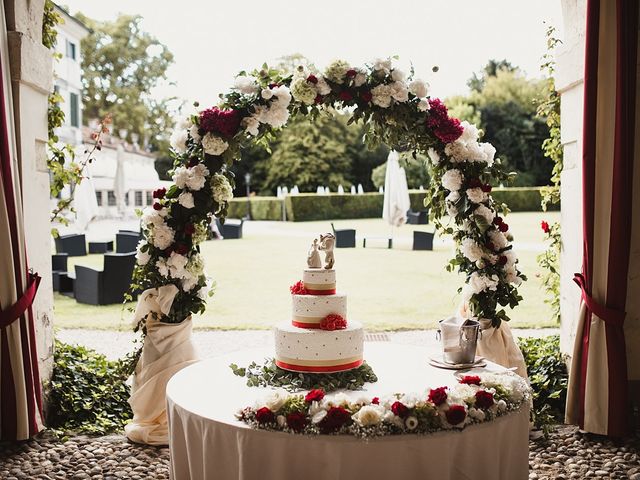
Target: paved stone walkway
(566, 455)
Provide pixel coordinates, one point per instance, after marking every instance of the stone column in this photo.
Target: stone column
(570, 84)
(32, 80)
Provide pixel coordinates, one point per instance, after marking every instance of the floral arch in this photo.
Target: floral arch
(396, 109)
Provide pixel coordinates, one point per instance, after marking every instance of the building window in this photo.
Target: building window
(126, 199)
(111, 198)
(71, 50)
(74, 107)
(99, 198)
(149, 198)
(138, 198)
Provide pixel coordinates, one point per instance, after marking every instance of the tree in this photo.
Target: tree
(477, 81)
(415, 170)
(121, 65)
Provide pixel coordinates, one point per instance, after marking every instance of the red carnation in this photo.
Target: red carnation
(264, 415)
(298, 288)
(375, 401)
(333, 321)
(159, 193)
(502, 260)
(438, 396)
(189, 229)
(351, 73)
(346, 96)
(400, 409)
(181, 248)
(314, 395)
(223, 122)
(470, 380)
(157, 206)
(366, 96)
(497, 220)
(475, 183)
(296, 421)
(312, 79)
(447, 129)
(503, 227)
(486, 188)
(545, 226)
(334, 420)
(456, 414)
(484, 399)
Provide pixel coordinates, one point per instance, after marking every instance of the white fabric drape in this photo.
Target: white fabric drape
(396, 192)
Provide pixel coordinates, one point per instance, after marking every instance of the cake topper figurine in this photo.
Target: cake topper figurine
(327, 242)
(313, 257)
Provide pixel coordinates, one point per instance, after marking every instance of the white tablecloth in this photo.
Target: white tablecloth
(207, 442)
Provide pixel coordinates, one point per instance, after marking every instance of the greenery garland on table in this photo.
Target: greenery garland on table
(270, 375)
(396, 110)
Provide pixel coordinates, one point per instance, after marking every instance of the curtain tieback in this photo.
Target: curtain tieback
(608, 315)
(15, 311)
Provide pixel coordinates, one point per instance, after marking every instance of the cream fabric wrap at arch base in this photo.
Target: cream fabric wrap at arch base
(167, 349)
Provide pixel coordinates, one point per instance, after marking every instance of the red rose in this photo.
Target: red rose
(159, 193)
(296, 421)
(475, 183)
(319, 99)
(168, 251)
(346, 96)
(189, 229)
(438, 396)
(447, 129)
(486, 188)
(351, 73)
(470, 380)
(484, 399)
(366, 96)
(157, 206)
(193, 162)
(223, 122)
(312, 79)
(503, 227)
(264, 415)
(334, 420)
(400, 409)
(456, 414)
(181, 248)
(497, 220)
(375, 401)
(298, 288)
(490, 246)
(545, 226)
(502, 260)
(333, 321)
(314, 395)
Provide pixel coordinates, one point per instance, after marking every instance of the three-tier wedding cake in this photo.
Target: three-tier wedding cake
(319, 338)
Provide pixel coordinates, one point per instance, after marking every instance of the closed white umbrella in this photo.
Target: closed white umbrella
(396, 192)
(119, 182)
(340, 189)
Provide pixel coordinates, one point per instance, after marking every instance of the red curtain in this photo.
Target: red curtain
(598, 399)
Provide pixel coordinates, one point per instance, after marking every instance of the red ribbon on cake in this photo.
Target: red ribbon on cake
(319, 369)
(321, 292)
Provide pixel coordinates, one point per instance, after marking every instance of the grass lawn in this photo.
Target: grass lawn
(388, 289)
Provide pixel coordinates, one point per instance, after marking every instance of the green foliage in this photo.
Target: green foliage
(548, 376)
(521, 199)
(549, 261)
(50, 19)
(270, 375)
(309, 206)
(415, 169)
(87, 392)
(478, 81)
(262, 208)
(461, 108)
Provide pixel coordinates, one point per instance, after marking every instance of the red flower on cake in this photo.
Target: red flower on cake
(375, 401)
(334, 420)
(456, 414)
(438, 396)
(264, 415)
(484, 399)
(314, 395)
(545, 226)
(296, 421)
(400, 409)
(298, 288)
(470, 380)
(222, 122)
(333, 321)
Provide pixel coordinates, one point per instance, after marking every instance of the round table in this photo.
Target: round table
(207, 442)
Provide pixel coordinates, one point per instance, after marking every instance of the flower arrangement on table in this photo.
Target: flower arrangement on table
(474, 399)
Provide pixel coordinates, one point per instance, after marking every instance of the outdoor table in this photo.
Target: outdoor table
(101, 247)
(206, 441)
(389, 241)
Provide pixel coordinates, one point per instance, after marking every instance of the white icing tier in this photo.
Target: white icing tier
(302, 349)
(319, 279)
(313, 308)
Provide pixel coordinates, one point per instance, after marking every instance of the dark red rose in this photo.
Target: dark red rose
(475, 183)
(366, 96)
(497, 220)
(193, 162)
(264, 415)
(351, 73)
(296, 421)
(222, 122)
(503, 227)
(273, 85)
(312, 79)
(470, 380)
(447, 129)
(333, 321)
(157, 206)
(181, 248)
(319, 99)
(400, 409)
(168, 251)
(334, 420)
(346, 96)
(502, 260)
(298, 288)
(189, 229)
(486, 188)
(490, 246)
(314, 395)
(456, 414)
(159, 193)
(375, 401)
(438, 396)
(545, 226)
(484, 399)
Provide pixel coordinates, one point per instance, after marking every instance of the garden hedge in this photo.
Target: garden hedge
(262, 208)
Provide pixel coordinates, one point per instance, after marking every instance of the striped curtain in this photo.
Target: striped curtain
(598, 399)
(20, 396)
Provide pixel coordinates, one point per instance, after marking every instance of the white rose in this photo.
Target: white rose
(489, 152)
(398, 75)
(497, 238)
(418, 88)
(381, 95)
(479, 283)
(266, 93)
(303, 91)
(318, 417)
(161, 265)
(142, 257)
(186, 200)
(336, 71)
(423, 105)
(399, 91)
(152, 217)
(176, 264)
(281, 420)
(471, 250)
(512, 258)
(251, 125)
(188, 282)
(477, 414)
(469, 134)
(502, 405)
(511, 275)
(197, 177)
(383, 65)
(452, 179)
(322, 86)
(178, 140)
(180, 176)
(214, 145)
(434, 156)
(476, 195)
(359, 79)
(283, 95)
(453, 197)
(276, 400)
(163, 236)
(485, 213)
(368, 415)
(246, 85)
(193, 131)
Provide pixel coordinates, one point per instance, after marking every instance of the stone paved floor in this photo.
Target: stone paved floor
(566, 455)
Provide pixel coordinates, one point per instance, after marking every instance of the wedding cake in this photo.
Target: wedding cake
(319, 338)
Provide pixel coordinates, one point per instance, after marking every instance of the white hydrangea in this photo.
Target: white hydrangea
(498, 238)
(471, 250)
(419, 88)
(186, 200)
(246, 85)
(398, 75)
(369, 415)
(303, 91)
(423, 105)
(476, 195)
(336, 71)
(452, 179)
(197, 177)
(142, 258)
(162, 235)
(382, 65)
(479, 282)
(222, 191)
(399, 91)
(381, 95)
(485, 213)
(214, 145)
(251, 125)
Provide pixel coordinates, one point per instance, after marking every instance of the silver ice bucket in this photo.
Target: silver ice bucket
(459, 340)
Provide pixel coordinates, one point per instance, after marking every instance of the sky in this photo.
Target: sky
(213, 40)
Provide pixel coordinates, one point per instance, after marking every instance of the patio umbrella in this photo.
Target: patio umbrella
(396, 192)
(119, 182)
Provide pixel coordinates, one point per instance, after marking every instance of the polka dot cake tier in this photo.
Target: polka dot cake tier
(319, 338)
